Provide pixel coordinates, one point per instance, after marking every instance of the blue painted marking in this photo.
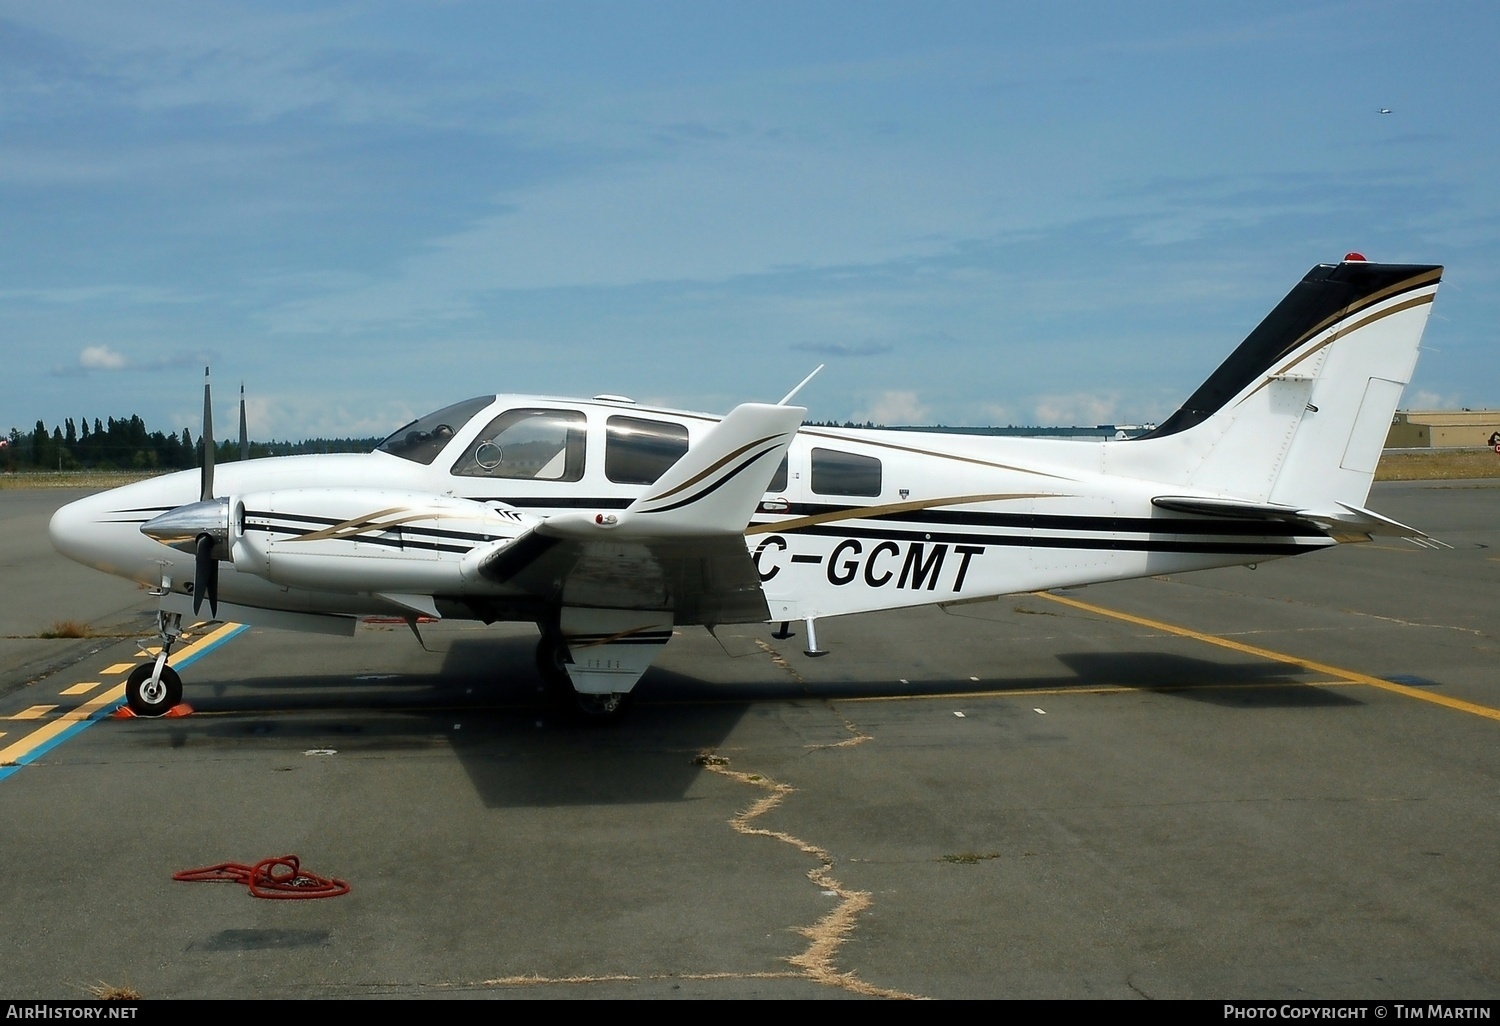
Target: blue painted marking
(105, 710)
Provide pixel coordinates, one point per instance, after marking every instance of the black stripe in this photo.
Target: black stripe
(367, 529)
(710, 489)
(1268, 548)
(597, 640)
(554, 502)
(1060, 521)
(365, 539)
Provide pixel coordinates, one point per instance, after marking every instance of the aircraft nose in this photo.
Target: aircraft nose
(86, 532)
(69, 530)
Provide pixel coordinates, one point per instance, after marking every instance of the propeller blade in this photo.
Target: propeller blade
(205, 577)
(244, 434)
(208, 441)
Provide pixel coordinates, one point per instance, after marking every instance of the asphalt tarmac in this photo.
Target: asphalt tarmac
(1281, 783)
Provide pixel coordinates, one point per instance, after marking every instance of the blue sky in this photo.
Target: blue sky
(973, 213)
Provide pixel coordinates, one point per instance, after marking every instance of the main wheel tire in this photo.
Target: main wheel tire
(552, 662)
(146, 698)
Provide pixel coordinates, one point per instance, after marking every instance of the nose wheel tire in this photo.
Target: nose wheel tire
(152, 698)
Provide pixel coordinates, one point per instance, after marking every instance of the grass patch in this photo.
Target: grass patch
(1438, 465)
(968, 858)
(66, 629)
(74, 479)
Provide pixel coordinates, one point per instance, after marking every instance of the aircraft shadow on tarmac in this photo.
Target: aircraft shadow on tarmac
(486, 704)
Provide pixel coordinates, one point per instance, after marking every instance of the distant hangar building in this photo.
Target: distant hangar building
(1442, 429)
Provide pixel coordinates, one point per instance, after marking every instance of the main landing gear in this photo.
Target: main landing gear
(552, 663)
(153, 688)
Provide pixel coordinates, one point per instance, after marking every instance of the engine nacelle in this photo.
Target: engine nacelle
(366, 540)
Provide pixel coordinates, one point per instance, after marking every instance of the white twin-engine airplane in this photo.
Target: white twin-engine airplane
(608, 524)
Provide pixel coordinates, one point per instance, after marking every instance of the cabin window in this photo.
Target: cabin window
(638, 451)
(844, 473)
(422, 440)
(527, 445)
(778, 479)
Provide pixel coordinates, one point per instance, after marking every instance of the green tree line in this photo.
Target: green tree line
(125, 444)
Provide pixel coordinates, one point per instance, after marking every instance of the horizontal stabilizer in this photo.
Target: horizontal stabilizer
(1348, 523)
(712, 490)
(1365, 523)
(679, 548)
(1236, 508)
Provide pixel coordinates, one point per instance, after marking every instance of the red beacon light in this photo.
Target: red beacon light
(1354, 256)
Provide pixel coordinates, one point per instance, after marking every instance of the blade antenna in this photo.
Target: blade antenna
(208, 441)
(788, 397)
(244, 434)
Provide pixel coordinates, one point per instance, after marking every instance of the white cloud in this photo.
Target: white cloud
(1422, 399)
(1078, 409)
(894, 408)
(102, 358)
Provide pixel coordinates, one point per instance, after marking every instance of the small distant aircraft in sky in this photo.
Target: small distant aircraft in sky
(1384, 110)
(609, 525)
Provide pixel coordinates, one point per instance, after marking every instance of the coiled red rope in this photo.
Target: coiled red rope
(281, 877)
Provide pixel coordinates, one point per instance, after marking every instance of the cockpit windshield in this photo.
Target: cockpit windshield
(422, 439)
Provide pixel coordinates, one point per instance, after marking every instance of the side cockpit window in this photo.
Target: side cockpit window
(844, 473)
(638, 451)
(527, 445)
(422, 439)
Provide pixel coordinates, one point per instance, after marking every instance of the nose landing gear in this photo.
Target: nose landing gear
(153, 688)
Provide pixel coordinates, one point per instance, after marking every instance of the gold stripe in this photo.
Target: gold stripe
(861, 512)
(1398, 308)
(355, 526)
(367, 525)
(1352, 676)
(1366, 303)
(930, 452)
(632, 632)
(1342, 332)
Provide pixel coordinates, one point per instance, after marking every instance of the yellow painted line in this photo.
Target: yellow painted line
(1098, 689)
(36, 712)
(81, 688)
(1353, 676)
(52, 728)
(110, 671)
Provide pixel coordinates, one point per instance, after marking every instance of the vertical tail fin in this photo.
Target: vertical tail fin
(1298, 414)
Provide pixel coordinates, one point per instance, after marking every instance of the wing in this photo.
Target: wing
(679, 548)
